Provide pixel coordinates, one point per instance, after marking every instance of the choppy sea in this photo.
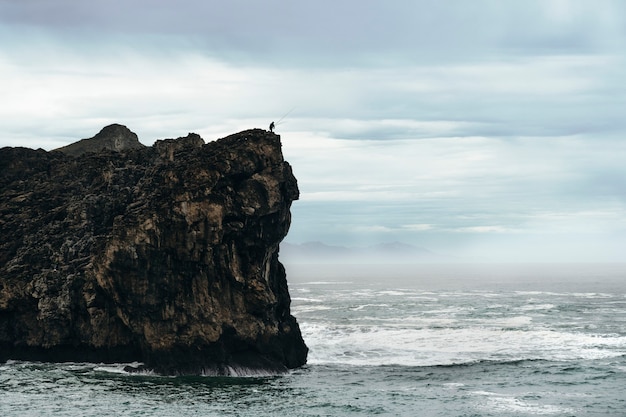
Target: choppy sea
(420, 340)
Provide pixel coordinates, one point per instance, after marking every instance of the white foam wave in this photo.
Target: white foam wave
(537, 307)
(506, 404)
(399, 345)
(394, 292)
(308, 300)
(308, 309)
(240, 372)
(423, 298)
(231, 370)
(121, 368)
(565, 294)
(365, 306)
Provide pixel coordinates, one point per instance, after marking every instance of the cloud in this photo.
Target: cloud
(485, 229)
(60, 93)
(418, 227)
(473, 126)
(345, 32)
(456, 192)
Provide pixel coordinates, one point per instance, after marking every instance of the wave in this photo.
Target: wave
(507, 404)
(485, 362)
(135, 368)
(399, 344)
(138, 369)
(310, 300)
(232, 370)
(241, 372)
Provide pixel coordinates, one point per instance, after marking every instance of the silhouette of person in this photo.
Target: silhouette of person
(272, 127)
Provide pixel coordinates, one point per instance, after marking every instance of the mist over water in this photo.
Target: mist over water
(568, 277)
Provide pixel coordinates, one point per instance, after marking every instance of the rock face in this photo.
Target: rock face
(166, 255)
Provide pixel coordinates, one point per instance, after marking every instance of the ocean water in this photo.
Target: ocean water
(420, 340)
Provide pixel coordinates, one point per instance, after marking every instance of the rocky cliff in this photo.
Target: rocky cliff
(166, 255)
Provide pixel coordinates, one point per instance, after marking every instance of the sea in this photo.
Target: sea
(392, 340)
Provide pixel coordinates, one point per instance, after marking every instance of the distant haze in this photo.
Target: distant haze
(483, 130)
(384, 253)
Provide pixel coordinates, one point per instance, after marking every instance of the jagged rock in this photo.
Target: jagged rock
(166, 255)
(114, 137)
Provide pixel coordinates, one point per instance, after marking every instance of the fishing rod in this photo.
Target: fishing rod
(285, 115)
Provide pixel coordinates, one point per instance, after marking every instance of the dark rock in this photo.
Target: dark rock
(167, 255)
(114, 137)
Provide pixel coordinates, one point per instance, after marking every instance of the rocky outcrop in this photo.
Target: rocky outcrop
(114, 137)
(166, 255)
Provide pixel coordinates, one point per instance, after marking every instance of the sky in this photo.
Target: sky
(486, 130)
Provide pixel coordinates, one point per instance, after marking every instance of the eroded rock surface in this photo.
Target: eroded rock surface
(165, 254)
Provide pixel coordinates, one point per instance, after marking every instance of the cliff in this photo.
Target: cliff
(166, 255)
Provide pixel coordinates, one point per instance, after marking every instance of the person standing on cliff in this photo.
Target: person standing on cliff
(272, 127)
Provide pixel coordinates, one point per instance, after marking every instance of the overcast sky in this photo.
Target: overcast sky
(490, 130)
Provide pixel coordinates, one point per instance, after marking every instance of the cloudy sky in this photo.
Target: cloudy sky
(485, 129)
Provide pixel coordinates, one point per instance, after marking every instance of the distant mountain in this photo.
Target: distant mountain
(390, 252)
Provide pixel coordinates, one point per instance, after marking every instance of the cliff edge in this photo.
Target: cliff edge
(167, 255)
